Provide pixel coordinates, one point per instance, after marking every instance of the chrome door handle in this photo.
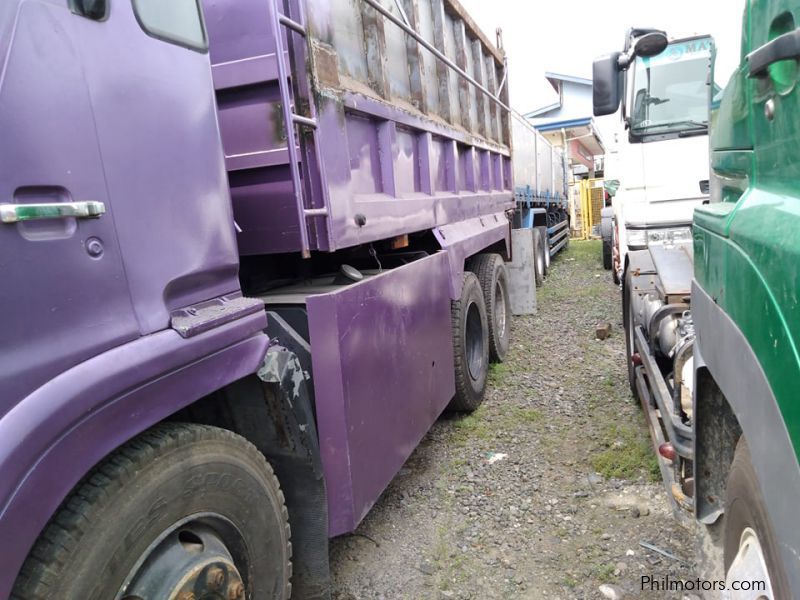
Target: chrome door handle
(14, 213)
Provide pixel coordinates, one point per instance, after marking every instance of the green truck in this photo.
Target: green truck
(713, 325)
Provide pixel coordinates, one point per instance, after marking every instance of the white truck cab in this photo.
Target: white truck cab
(660, 158)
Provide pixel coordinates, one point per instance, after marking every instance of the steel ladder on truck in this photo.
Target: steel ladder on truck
(295, 92)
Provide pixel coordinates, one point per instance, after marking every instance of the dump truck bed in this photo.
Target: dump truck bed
(394, 140)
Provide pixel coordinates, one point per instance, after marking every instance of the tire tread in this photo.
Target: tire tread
(44, 566)
(484, 266)
(464, 400)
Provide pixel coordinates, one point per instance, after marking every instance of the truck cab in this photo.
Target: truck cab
(660, 155)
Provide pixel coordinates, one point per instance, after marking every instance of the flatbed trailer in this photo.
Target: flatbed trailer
(541, 194)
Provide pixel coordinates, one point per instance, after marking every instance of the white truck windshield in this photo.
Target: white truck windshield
(670, 91)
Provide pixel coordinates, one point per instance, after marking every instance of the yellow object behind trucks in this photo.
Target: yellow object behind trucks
(592, 196)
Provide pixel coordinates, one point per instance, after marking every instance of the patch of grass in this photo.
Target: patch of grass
(588, 251)
(498, 372)
(604, 573)
(587, 294)
(471, 427)
(570, 582)
(628, 454)
(527, 415)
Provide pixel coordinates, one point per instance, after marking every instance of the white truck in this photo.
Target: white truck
(662, 163)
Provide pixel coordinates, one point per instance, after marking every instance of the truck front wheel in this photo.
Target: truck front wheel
(750, 546)
(182, 511)
(493, 277)
(470, 346)
(607, 255)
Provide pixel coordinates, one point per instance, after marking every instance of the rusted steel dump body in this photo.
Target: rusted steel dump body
(402, 142)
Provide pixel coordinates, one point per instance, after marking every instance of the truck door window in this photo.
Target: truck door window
(96, 10)
(670, 91)
(176, 21)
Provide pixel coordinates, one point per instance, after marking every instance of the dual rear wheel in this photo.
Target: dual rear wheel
(481, 319)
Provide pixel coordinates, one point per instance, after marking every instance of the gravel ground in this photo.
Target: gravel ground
(546, 491)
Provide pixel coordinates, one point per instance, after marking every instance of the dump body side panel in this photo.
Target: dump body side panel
(405, 142)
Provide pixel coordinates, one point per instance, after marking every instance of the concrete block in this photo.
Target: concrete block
(521, 277)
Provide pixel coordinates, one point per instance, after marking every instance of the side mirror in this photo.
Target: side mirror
(650, 44)
(607, 84)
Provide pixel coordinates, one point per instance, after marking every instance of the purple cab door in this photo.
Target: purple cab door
(106, 107)
(63, 293)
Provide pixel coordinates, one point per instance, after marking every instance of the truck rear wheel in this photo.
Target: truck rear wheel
(470, 346)
(182, 511)
(493, 277)
(545, 249)
(538, 258)
(750, 546)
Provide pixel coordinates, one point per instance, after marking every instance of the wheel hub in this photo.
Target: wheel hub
(474, 342)
(749, 565)
(190, 562)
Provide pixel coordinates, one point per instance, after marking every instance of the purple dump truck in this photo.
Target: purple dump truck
(250, 254)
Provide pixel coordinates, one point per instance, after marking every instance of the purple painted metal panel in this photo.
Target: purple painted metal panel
(383, 372)
(86, 118)
(55, 435)
(467, 238)
(377, 151)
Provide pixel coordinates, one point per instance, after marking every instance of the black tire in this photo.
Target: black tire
(194, 485)
(538, 258)
(493, 278)
(470, 346)
(627, 319)
(745, 509)
(545, 249)
(607, 257)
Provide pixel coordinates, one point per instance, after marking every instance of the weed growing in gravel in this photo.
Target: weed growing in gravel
(628, 455)
(497, 372)
(471, 427)
(604, 573)
(570, 582)
(526, 415)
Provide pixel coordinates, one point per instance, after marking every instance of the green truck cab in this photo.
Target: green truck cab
(745, 306)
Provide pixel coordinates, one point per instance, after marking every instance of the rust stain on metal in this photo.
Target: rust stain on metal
(326, 61)
(236, 591)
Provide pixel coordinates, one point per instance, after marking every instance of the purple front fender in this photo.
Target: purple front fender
(53, 437)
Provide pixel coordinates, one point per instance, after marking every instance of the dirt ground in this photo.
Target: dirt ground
(547, 491)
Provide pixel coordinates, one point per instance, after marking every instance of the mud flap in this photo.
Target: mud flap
(294, 455)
